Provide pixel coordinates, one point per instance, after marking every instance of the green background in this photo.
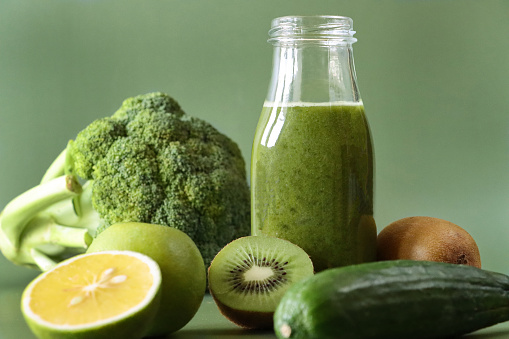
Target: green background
(433, 76)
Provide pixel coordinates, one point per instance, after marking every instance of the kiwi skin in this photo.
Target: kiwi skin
(427, 238)
(245, 319)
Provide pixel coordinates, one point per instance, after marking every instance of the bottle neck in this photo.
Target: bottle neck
(313, 60)
(313, 73)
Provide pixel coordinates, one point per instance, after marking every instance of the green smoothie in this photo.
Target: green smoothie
(312, 181)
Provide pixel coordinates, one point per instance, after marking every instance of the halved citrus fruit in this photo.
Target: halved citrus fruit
(182, 268)
(111, 294)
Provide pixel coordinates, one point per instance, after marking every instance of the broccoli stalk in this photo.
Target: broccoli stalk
(48, 222)
(57, 168)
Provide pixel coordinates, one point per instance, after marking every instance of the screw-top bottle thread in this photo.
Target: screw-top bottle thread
(329, 30)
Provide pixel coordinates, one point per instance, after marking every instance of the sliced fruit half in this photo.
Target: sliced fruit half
(111, 294)
(249, 276)
(180, 261)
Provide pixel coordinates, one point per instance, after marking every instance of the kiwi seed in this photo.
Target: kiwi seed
(265, 285)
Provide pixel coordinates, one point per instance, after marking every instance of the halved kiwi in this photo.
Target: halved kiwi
(248, 277)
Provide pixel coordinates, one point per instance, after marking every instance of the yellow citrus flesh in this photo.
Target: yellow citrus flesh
(92, 290)
(182, 268)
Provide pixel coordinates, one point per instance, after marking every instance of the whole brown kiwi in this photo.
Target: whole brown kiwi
(427, 238)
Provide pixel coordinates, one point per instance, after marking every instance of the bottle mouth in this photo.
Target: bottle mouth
(322, 29)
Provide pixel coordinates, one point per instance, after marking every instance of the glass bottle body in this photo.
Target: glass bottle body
(312, 158)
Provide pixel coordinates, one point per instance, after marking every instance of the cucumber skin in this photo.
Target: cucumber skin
(393, 299)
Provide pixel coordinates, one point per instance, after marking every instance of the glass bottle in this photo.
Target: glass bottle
(312, 159)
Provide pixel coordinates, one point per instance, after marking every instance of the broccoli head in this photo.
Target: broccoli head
(148, 162)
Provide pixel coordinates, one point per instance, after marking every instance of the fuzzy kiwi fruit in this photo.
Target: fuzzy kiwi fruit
(248, 277)
(427, 238)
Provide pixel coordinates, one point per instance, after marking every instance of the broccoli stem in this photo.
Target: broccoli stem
(43, 238)
(41, 260)
(21, 210)
(57, 168)
(68, 236)
(77, 211)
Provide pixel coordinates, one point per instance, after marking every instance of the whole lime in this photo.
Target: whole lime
(182, 268)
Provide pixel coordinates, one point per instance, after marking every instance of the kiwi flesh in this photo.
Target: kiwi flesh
(249, 276)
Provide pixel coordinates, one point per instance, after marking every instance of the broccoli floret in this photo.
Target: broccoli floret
(93, 144)
(148, 162)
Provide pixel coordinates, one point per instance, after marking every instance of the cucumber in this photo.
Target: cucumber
(393, 299)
